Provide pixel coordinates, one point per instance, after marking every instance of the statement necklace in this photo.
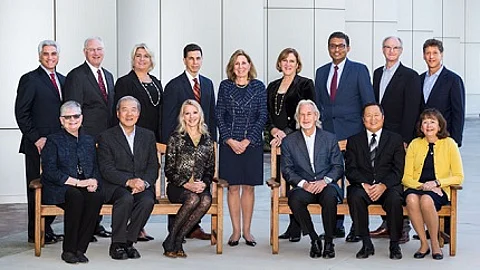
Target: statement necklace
(278, 109)
(155, 104)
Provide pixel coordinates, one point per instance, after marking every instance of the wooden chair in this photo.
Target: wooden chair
(279, 205)
(163, 207)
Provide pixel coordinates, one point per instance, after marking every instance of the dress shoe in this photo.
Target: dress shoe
(232, 243)
(294, 239)
(144, 237)
(58, 237)
(251, 243)
(380, 233)
(316, 249)
(352, 238)
(437, 256)
(81, 257)
(365, 252)
(284, 235)
(69, 257)
(50, 239)
(94, 239)
(328, 250)
(199, 234)
(103, 233)
(132, 252)
(395, 252)
(168, 252)
(420, 255)
(338, 233)
(181, 254)
(405, 238)
(117, 252)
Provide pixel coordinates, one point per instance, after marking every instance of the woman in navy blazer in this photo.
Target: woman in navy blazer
(241, 114)
(70, 180)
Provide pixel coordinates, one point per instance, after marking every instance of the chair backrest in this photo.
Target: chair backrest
(275, 154)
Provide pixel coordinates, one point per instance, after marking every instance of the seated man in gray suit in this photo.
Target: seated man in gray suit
(127, 158)
(312, 163)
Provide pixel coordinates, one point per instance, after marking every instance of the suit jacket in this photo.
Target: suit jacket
(300, 88)
(82, 87)
(328, 160)
(118, 164)
(343, 117)
(177, 91)
(401, 101)
(150, 116)
(37, 108)
(448, 96)
(389, 160)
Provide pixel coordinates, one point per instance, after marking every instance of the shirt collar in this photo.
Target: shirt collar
(190, 77)
(94, 69)
(434, 74)
(311, 136)
(48, 71)
(125, 133)
(340, 65)
(392, 68)
(378, 134)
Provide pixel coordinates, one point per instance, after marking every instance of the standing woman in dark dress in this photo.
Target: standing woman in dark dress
(241, 114)
(283, 97)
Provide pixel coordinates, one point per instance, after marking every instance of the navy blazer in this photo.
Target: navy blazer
(389, 160)
(37, 108)
(343, 117)
(118, 164)
(241, 113)
(448, 96)
(328, 160)
(176, 92)
(82, 87)
(401, 101)
(60, 157)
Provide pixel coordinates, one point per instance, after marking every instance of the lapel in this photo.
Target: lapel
(364, 146)
(292, 88)
(110, 86)
(382, 143)
(324, 79)
(317, 148)
(187, 87)
(92, 80)
(120, 137)
(377, 77)
(301, 144)
(45, 78)
(138, 150)
(437, 87)
(397, 76)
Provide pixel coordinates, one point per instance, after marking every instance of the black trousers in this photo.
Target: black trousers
(32, 169)
(81, 210)
(391, 201)
(299, 199)
(130, 213)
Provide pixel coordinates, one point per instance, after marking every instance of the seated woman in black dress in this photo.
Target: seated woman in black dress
(432, 164)
(189, 168)
(70, 181)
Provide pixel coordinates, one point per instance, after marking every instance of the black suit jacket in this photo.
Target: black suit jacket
(37, 108)
(82, 87)
(448, 96)
(177, 91)
(300, 88)
(117, 163)
(389, 160)
(401, 101)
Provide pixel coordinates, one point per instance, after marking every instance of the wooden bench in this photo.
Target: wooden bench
(279, 205)
(162, 207)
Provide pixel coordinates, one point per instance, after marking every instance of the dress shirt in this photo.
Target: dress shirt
(310, 142)
(378, 134)
(386, 78)
(130, 138)
(190, 79)
(95, 73)
(429, 82)
(340, 66)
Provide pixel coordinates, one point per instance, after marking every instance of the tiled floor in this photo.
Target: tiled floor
(16, 253)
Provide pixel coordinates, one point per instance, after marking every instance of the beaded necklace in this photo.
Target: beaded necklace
(278, 109)
(155, 104)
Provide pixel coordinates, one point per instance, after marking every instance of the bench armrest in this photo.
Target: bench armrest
(272, 183)
(456, 187)
(35, 184)
(220, 182)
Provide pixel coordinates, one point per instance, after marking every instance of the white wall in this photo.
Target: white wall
(261, 28)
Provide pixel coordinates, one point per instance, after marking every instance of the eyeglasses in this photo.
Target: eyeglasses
(74, 116)
(336, 46)
(94, 49)
(392, 48)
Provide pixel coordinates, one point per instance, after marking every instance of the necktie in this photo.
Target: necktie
(101, 84)
(333, 84)
(54, 81)
(373, 149)
(196, 90)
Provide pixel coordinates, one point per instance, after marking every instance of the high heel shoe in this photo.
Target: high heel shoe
(250, 243)
(232, 243)
(437, 256)
(420, 255)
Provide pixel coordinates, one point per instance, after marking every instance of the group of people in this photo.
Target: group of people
(97, 143)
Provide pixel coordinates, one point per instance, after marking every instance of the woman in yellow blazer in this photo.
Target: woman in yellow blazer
(432, 164)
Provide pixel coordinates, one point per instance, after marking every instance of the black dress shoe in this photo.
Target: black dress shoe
(118, 252)
(50, 239)
(329, 250)
(94, 239)
(437, 256)
(294, 238)
(352, 238)
(338, 233)
(69, 257)
(284, 235)
(58, 237)
(251, 243)
(404, 238)
(316, 249)
(81, 257)
(132, 252)
(420, 255)
(232, 243)
(365, 252)
(395, 252)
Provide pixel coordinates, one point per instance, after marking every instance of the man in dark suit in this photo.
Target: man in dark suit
(37, 110)
(374, 163)
(189, 85)
(93, 87)
(342, 89)
(312, 162)
(127, 159)
(397, 89)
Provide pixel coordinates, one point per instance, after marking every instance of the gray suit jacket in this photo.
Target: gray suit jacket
(328, 159)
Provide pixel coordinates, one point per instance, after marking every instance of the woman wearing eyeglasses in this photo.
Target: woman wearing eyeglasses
(70, 181)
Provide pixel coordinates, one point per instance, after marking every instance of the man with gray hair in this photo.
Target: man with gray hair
(37, 108)
(312, 163)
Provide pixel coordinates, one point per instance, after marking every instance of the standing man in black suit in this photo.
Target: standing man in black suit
(127, 159)
(189, 85)
(92, 86)
(37, 110)
(397, 88)
(374, 163)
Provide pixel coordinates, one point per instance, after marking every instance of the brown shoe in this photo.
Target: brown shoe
(405, 238)
(199, 234)
(381, 231)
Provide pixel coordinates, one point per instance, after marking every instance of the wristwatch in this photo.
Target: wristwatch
(327, 179)
(438, 183)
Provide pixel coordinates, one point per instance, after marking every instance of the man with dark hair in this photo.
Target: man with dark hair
(189, 85)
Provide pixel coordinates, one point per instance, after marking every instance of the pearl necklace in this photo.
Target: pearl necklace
(278, 110)
(155, 104)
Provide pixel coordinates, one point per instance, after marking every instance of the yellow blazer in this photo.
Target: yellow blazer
(446, 158)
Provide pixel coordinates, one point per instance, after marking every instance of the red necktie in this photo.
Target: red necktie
(101, 84)
(196, 89)
(52, 78)
(333, 84)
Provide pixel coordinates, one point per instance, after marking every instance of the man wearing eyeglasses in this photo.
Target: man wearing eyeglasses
(342, 88)
(37, 110)
(92, 86)
(397, 89)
